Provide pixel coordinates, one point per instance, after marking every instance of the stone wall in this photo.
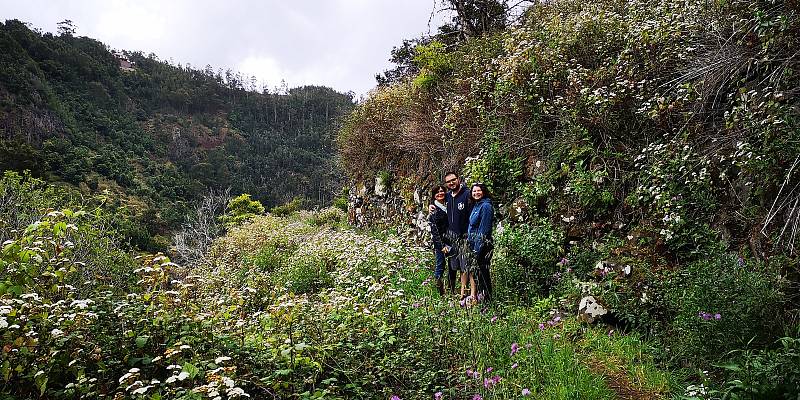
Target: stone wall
(380, 204)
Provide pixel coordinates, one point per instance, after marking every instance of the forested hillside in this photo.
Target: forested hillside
(158, 136)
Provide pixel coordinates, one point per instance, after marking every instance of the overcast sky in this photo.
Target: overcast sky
(337, 43)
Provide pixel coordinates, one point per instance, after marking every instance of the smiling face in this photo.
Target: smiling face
(477, 193)
(439, 196)
(452, 181)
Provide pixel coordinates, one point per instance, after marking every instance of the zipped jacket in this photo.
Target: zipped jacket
(458, 211)
(479, 233)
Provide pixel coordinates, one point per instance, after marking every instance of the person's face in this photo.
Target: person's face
(477, 192)
(439, 196)
(451, 181)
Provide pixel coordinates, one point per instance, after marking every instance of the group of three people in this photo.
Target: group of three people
(461, 223)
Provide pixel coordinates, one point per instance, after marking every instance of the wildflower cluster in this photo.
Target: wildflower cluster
(705, 316)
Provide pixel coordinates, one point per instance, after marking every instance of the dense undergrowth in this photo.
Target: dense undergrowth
(641, 153)
(289, 307)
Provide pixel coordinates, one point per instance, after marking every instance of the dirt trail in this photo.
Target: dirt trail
(621, 384)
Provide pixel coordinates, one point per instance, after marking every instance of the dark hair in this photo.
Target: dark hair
(484, 189)
(450, 173)
(435, 190)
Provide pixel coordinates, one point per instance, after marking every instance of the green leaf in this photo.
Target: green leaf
(329, 381)
(17, 290)
(6, 370)
(190, 369)
(41, 383)
(141, 341)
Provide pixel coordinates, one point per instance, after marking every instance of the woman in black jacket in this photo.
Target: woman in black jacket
(438, 223)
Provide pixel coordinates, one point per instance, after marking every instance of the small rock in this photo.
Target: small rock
(590, 310)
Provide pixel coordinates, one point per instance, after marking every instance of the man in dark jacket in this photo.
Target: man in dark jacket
(458, 210)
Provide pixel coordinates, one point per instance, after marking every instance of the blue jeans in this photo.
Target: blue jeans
(440, 264)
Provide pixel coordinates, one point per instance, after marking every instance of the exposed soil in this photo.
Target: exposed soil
(621, 384)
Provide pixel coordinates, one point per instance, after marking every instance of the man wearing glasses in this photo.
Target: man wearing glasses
(458, 210)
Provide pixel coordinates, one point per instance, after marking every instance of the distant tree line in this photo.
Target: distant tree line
(160, 135)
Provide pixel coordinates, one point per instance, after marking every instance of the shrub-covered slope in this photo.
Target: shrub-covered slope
(642, 153)
(293, 307)
(160, 134)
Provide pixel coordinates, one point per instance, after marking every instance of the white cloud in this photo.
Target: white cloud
(337, 43)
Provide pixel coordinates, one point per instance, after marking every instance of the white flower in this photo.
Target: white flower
(228, 381)
(3, 323)
(82, 304)
(141, 390)
(56, 332)
(237, 392)
(27, 296)
(220, 360)
(125, 377)
(183, 375)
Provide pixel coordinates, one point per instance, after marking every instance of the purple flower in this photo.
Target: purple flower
(514, 366)
(415, 305)
(395, 397)
(488, 383)
(489, 369)
(717, 316)
(469, 372)
(494, 319)
(477, 397)
(438, 395)
(514, 348)
(480, 296)
(556, 319)
(541, 326)
(526, 392)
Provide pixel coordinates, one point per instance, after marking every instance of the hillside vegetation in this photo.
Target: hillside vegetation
(288, 307)
(160, 136)
(642, 153)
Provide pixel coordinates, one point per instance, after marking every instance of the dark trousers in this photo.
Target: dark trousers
(482, 275)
